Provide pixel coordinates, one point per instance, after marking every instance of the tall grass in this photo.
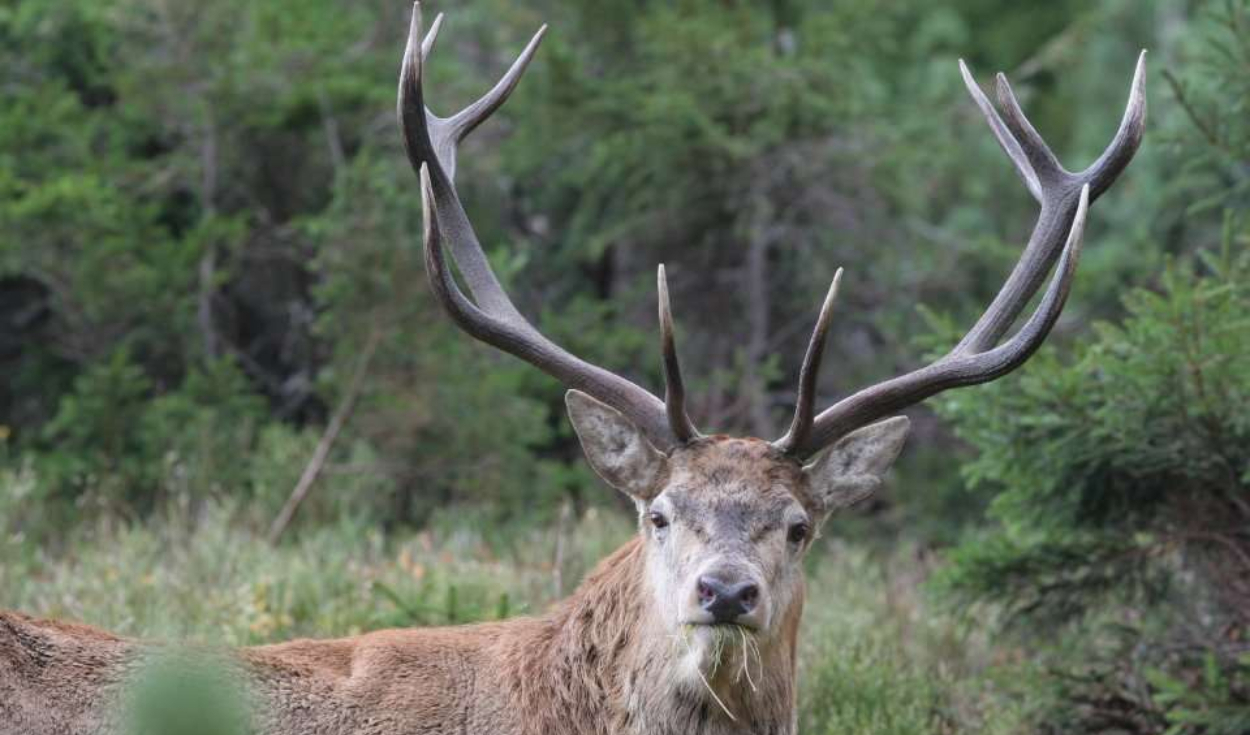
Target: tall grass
(874, 657)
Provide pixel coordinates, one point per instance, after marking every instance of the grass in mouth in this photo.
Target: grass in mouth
(724, 637)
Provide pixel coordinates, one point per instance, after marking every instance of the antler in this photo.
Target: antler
(674, 388)
(490, 316)
(1064, 198)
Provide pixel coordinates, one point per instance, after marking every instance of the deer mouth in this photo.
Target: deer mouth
(717, 627)
(722, 649)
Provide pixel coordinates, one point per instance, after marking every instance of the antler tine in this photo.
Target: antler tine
(467, 120)
(1041, 158)
(1005, 139)
(674, 389)
(431, 36)
(486, 312)
(805, 405)
(1064, 198)
(1103, 171)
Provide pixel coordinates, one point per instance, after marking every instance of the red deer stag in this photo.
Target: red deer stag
(691, 627)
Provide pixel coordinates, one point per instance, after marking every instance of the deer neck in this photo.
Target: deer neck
(607, 663)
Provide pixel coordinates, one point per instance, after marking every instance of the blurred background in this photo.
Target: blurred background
(212, 296)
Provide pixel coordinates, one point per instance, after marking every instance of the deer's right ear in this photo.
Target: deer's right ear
(616, 449)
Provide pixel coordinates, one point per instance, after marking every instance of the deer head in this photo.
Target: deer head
(726, 521)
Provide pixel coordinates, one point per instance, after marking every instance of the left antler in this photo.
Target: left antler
(1064, 198)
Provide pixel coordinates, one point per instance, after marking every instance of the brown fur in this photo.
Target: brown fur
(59, 677)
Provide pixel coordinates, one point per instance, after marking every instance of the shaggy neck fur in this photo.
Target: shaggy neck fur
(603, 662)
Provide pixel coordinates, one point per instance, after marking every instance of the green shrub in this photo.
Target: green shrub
(185, 693)
(1123, 498)
(1112, 462)
(114, 446)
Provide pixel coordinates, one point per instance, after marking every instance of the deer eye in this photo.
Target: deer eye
(657, 519)
(799, 532)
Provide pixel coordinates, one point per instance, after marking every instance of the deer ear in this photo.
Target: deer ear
(850, 471)
(616, 449)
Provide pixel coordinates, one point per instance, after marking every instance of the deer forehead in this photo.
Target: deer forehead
(732, 476)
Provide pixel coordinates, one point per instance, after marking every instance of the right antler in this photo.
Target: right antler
(1064, 198)
(430, 142)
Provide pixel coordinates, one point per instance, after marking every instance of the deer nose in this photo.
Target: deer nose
(726, 600)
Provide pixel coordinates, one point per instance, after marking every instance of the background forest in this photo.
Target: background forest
(210, 261)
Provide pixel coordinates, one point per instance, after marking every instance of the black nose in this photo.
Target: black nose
(725, 600)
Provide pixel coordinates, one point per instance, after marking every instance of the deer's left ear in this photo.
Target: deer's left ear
(617, 450)
(851, 470)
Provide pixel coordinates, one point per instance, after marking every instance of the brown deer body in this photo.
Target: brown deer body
(690, 628)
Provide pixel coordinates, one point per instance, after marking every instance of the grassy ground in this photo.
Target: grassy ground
(875, 657)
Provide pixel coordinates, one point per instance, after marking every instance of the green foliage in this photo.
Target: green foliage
(457, 419)
(1213, 94)
(185, 693)
(196, 238)
(111, 445)
(1214, 703)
